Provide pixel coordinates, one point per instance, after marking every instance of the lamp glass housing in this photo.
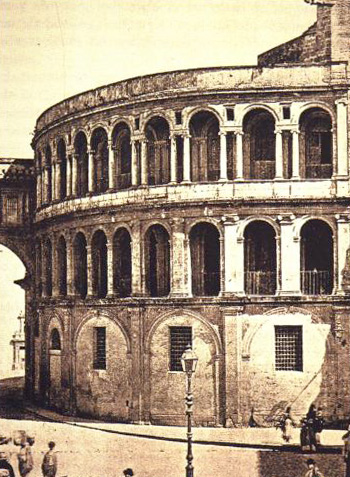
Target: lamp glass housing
(189, 361)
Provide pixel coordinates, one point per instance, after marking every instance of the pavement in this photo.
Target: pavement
(255, 438)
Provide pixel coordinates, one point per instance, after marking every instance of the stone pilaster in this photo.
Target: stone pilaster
(91, 170)
(144, 162)
(90, 288)
(295, 154)
(239, 153)
(173, 159)
(136, 255)
(223, 156)
(342, 137)
(187, 159)
(234, 258)
(111, 166)
(279, 154)
(134, 163)
(74, 174)
(343, 253)
(110, 267)
(289, 257)
(178, 263)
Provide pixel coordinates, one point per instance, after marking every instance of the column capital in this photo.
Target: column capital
(286, 219)
(222, 132)
(278, 131)
(342, 101)
(230, 219)
(238, 131)
(342, 218)
(295, 130)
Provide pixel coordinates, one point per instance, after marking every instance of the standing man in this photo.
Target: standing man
(49, 465)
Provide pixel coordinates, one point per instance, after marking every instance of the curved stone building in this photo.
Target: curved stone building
(206, 206)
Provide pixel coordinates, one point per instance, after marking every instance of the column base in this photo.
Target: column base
(187, 181)
(223, 179)
(232, 294)
(179, 294)
(288, 293)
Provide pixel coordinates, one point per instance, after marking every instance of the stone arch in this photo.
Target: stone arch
(314, 104)
(157, 260)
(56, 395)
(122, 151)
(301, 221)
(262, 218)
(166, 386)
(22, 250)
(125, 120)
(157, 132)
(99, 146)
(145, 120)
(102, 392)
(252, 107)
(80, 143)
(189, 115)
(210, 220)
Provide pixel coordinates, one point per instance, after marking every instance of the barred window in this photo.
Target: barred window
(289, 348)
(11, 211)
(99, 347)
(180, 338)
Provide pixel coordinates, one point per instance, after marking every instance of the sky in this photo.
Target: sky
(53, 49)
(50, 50)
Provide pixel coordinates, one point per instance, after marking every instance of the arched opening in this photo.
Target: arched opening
(62, 161)
(55, 341)
(38, 268)
(48, 175)
(12, 306)
(158, 151)
(316, 144)
(205, 260)
(80, 265)
(99, 264)
(47, 267)
(157, 251)
(99, 146)
(260, 259)
(259, 147)
(122, 263)
(122, 155)
(80, 149)
(205, 147)
(316, 258)
(62, 266)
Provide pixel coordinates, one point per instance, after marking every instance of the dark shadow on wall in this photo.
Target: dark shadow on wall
(293, 464)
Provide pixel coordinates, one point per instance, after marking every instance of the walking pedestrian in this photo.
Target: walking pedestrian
(6, 469)
(25, 459)
(49, 465)
(313, 470)
(286, 424)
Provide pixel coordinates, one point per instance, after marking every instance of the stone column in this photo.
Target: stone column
(234, 258)
(223, 156)
(55, 277)
(239, 154)
(342, 137)
(279, 155)
(178, 262)
(136, 256)
(144, 163)
(289, 257)
(111, 166)
(58, 181)
(90, 289)
(134, 163)
(173, 160)
(91, 170)
(295, 154)
(38, 190)
(187, 159)
(343, 247)
(53, 181)
(70, 267)
(69, 174)
(74, 174)
(44, 185)
(110, 290)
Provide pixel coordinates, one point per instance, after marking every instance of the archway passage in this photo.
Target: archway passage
(81, 156)
(122, 263)
(158, 261)
(316, 258)
(158, 151)
(99, 146)
(12, 309)
(260, 259)
(316, 144)
(259, 145)
(122, 155)
(205, 260)
(99, 264)
(205, 147)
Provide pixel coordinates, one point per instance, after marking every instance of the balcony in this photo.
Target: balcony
(316, 282)
(260, 282)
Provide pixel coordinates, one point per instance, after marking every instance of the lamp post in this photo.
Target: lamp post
(189, 363)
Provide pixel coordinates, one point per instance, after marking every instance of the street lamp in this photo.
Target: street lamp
(189, 363)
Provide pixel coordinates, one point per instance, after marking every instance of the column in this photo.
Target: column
(295, 155)
(342, 137)
(173, 159)
(111, 166)
(223, 156)
(187, 159)
(91, 170)
(90, 289)
(55, 287)
(343, 253)
(69, 174)
(178, 271)
(74, 174)
(239, 154)
(110, 290)
(144, 164)
(136, 256)
(44, 185)
(70, 267)
(38, 190)
(289, 257)
(134, 163)
(53, 182)
(58, 181)
(279, 155)
(234, 258)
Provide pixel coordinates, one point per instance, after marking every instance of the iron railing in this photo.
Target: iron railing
(316, 282)
(260, 282)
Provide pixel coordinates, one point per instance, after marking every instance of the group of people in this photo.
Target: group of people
(25, 460)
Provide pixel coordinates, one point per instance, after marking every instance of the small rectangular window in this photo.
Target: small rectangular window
(230, 112)
(137, 123)
(289, 348)
(99, 347)
(286, 112)
(11, 210)
(178, 117)
(180, 338)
